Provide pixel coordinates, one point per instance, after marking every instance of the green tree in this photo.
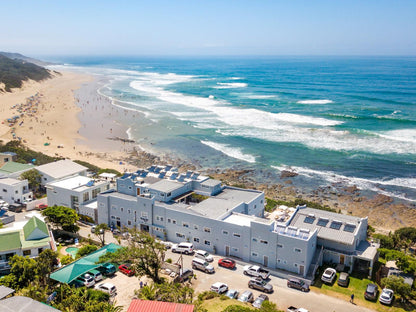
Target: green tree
(85, 250)
(44, 265)
(33, 177)
(9, 280)
(144, 253)
(397, 284)
(35, 290)
(24, 268)
(237, 308)
(167, 292)
(406, 233)
(385, 241)
(62, 217)
(100, 232)
(67, 259)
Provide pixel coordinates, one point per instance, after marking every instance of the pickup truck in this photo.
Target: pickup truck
(294, 309)
(256, 271)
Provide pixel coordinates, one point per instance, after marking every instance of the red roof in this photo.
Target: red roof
(138, 305)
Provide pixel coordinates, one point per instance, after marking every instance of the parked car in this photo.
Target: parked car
(256, 271)
(371, 292)
(41, 206)
(386, 296)
(246, 296)
(344, 279)
(202, 265)
(329, 275)
(202, 254)
(186, 248)
(219, 287)
(86, 280)
(96, 275)
(126, 269)
(107, 269)
(232, 294)
(186, 274)
(260, 284)
(259, 300)
(107, 288)
(227, 263)
(297, 283)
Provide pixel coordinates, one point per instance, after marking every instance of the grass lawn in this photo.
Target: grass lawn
(357, 286)
(217, 305)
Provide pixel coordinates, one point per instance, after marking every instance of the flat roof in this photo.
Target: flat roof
(210, 182)
(245, 220)
(330, 225)
(214, 207)
(71, 183)
(61, 168)
(5, 291)
(165, 186)
(10, 181)
(241, 195)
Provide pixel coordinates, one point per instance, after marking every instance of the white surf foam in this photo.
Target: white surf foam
(230, 151)
(230, 85)
(402, 135)
(363, 184)
(315, 102)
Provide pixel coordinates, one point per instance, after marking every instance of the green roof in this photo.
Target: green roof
(35, 229)
(12, 167)
(71, 271)
(10, 241)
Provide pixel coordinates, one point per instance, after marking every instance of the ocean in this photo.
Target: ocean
(349, 120)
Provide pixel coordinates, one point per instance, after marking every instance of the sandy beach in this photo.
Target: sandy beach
(78, 123)
(59, 120)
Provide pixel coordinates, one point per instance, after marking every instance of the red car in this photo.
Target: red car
(227, 263)
(41, 206)
(126, 269)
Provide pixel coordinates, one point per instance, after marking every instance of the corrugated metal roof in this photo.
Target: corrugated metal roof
(138, 305)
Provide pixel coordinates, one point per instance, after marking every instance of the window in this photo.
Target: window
(349, 227)
(196, 227)
(279, 246)
(207, 230)
(113, 217)
(208, 243)
(17, 192)
(309, 219)
(86, 196)
(264, 242)
(180, 235)
(4, 190)
(95, 192)
(114, 207)
(26, 252)
(169, 220)
(224, 232)
(174, 221)
(296, 265)
(236, 235)
(128, 222)
(186, 225)
(129, 211)
(234, 249)
(121, 209)
(144, 214)
(278, 260)
(298, 250)
(196, 239)
(255, 240)
(254, 254)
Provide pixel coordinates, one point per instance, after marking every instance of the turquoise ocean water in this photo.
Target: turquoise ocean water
(349, 120)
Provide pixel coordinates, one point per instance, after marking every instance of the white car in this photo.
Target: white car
(202, 254)
(386, 296)
(186, 248)
(329, 275)
(107, 288)
(219, 287)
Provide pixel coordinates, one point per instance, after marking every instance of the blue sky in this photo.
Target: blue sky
(176, 27)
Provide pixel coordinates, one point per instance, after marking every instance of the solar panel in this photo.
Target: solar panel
(309, 219)
(322, 222)
(335, 225)
(349, 227)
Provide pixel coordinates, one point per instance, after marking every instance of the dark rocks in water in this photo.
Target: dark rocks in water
(288, 174)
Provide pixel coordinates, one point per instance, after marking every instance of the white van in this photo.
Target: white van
(202, 254)
(202, 265)
(186, 248)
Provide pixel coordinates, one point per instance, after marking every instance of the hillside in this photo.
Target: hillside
(22, 57)
(14, 71)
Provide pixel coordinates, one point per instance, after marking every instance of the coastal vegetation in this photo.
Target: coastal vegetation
(14, 72)
(25, 155)
(271, 204)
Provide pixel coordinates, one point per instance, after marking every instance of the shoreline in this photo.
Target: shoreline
(71, 113)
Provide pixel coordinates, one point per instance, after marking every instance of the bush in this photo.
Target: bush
(206, 295)
(67, 259)
(85, 250)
